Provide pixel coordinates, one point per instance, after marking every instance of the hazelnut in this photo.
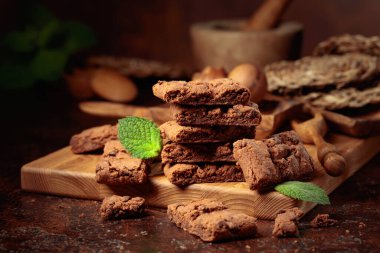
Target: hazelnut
(251, 77)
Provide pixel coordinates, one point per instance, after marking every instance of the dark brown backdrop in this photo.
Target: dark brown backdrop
(158, 29)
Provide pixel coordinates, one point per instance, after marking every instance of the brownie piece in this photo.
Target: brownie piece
(182, 174)
(119, 207)
(323, 220)
(286, 223)
(93, 138)
(195, 153)
(323, 73)
(344, 98)
(211, 220)
(266, 163)
(118, 167)
(171, 131)
(349, 43)
(237, 115)
(222, 91)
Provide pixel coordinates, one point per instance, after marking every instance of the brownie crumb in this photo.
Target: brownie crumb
(362, 225)
(323, 220)
(286, 223)
(119, 207)
(211, 220)
(82, 215)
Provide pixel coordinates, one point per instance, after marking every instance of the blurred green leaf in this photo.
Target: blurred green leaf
(37, 13)
(21, 41)
(48, 64)
(47, 33)
(79, 36)
(14, 76)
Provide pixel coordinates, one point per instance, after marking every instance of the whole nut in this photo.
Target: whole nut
(111, 85)
(79, 83)
(251, 77)
(209, 73)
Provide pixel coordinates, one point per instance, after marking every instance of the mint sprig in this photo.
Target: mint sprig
(140, 137)
(303, 191)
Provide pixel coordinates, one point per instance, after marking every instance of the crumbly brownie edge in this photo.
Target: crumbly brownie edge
(193, 153)
(173, 132)
(221, 91)
(238, 115)
(182, 174)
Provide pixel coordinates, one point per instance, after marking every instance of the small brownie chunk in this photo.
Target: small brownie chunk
(119, 207)
(211, 220)
(266, 163)
(323, 220)
(286, 223)
(222, 91)
(93, 138)
(171, 131)
(183, 174)
(194, 153)
(237, 115)
(117, 167)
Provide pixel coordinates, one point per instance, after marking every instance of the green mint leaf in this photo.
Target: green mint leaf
(78, 36)
(140, 137)
(303, 191)
(21, 41)
(48, 32)
(48, 64)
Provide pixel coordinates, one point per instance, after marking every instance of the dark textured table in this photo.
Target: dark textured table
(39, 122)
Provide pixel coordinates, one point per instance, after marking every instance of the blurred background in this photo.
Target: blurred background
(159, 29)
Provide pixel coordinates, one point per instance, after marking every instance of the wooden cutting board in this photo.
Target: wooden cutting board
(66, 174)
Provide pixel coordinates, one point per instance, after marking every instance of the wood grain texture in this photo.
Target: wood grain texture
(66, 174)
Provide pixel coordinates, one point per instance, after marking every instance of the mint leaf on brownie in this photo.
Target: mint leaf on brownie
(140, 137)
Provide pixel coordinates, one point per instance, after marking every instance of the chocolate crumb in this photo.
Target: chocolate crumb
(362, 225)
(323, 220)
(286, 223)
(119, 207)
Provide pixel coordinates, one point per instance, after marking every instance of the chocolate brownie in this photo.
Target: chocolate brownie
(320, 73)
(323, 220)
(222, 91)
(118, 167)
(93, 138)
(349, 43)
(286, 223)
(182, 174)
(266, 163)
(211, 220)
(237, 115)
(119, 207)
(344, 98)
(194, 153)
(171, 131)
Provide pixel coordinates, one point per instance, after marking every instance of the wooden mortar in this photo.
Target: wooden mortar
(260, 40)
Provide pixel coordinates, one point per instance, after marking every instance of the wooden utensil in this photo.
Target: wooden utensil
(267, 15)
(313, 131)
(361, 124)
(158, 114)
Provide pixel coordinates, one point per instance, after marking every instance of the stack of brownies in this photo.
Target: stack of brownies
(209, 117)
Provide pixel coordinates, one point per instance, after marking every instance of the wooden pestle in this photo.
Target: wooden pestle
(267, 16)
(313, 131)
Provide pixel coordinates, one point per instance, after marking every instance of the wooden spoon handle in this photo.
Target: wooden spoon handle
(333, 162)
(267, 16)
